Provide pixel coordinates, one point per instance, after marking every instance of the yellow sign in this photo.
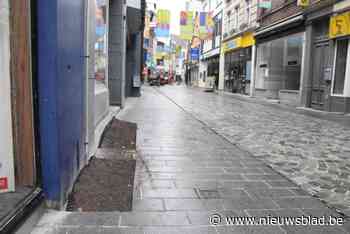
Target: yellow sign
(244, 41)
(339, 25)
(303, 3)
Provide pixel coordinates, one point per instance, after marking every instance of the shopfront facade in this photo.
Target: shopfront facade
(19, 176)
(209, 69)
(238, 54)
(279, 67)
(327, 82)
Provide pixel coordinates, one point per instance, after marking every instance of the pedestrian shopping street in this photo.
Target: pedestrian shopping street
(202, 154)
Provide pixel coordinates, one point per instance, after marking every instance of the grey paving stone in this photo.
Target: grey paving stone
(245, 184)
(148, 205)
(169, 193)
(118, 230)
(269, 193)
(248, 203)
(200, 184)
(281, 184)
(300, 202)
(159, 184)
(91, 219)
(154, 219)
(233, 193)
(180, 230)
(79, 230)
(265, 177)
(203, 217)
(193, 204)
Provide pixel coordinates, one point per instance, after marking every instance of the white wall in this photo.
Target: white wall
(6, 144)
(242, 16)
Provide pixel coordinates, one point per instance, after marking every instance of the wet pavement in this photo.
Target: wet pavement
(312, 152)
(189, 169)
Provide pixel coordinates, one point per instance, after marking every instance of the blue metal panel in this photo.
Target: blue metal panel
(61, 93)
(47, 86)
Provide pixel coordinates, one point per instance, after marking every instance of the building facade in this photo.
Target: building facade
(19, 173)
(280, 43)
(326, 70)
(209, 64)
(238, 47)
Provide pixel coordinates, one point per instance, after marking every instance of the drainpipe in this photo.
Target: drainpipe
(253, 76)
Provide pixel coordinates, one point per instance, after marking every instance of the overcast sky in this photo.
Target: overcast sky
(175, 7)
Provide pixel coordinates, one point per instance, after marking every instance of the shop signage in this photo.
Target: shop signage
(303, 3)
(266, 4)
(211, 53)
(244, 41)
(339, 25)
(195, 54)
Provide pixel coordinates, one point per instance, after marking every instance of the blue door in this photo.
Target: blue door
(61, 94)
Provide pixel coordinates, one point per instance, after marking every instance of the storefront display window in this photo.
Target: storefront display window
(340, 66)
(279, 63)
(236, 75)
(101, 42)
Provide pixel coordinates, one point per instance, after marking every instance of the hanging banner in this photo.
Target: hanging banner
(210, 24)
(203, 25)
(186, 25)
(163, 23)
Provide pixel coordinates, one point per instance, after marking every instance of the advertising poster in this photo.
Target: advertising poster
(186, 25)
(163, 23)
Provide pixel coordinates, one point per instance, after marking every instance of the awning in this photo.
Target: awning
(280, 26)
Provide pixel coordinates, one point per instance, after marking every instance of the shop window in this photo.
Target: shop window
(341, 55)
(279, 63)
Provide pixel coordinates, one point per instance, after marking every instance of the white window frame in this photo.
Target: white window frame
(346, 92)
(248, 12)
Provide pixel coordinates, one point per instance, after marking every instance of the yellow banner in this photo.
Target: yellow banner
(186, 25)
(339, 25)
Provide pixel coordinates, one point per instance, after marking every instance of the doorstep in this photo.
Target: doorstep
(24, 208)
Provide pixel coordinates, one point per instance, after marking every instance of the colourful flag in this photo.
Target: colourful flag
(163, 23)
(186, 25)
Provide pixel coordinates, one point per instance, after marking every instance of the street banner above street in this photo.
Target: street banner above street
(204, 25)
(186, 25)
(163, 23)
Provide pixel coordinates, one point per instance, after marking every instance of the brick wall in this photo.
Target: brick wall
(281, 9)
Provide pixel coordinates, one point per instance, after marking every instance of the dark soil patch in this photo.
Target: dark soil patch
(107, 183)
